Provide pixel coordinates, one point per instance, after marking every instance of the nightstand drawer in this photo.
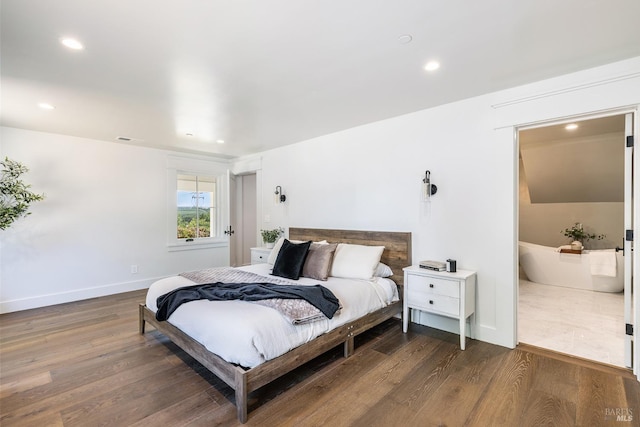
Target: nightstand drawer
(259, 258)
(434, 285)
(259, 255)
(435, 303)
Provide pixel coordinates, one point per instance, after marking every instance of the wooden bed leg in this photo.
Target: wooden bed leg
(349, 346)
(141, 319)
(241, 396)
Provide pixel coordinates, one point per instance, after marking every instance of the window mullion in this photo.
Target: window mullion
(197, 207)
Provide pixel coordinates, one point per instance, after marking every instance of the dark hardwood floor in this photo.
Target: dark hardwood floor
(84, 364)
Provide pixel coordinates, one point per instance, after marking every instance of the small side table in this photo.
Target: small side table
(442, 293)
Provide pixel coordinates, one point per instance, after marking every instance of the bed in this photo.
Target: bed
(248, 373)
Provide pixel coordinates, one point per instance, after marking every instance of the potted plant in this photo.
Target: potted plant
(15, 196)
(270, 236)
(579, 237)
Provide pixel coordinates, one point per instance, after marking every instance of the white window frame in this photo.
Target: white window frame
(183, 166)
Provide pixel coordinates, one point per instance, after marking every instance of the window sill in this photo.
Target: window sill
(189, 246)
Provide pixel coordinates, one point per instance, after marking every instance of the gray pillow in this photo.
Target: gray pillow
(318, 262)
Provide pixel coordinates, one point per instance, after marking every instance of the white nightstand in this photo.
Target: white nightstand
(442, 293)
(259, 255)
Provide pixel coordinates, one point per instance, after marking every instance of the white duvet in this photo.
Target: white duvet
(248, 334)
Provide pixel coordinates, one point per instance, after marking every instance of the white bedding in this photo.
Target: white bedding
(248, 334)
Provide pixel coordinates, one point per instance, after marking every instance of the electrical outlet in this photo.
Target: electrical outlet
(134, 269)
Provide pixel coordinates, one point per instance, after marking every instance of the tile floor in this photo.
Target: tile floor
(572, 321)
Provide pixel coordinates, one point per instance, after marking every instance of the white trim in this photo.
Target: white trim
(75, 295)
(635, 259)
(247, 165)
(201, 243)
(571, 118)
(633, 109)
(516, 232)
(192, 166)
(629, 257)
(566, 90)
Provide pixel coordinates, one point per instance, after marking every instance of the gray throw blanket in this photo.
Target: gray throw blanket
(318, 296)
(296, 311)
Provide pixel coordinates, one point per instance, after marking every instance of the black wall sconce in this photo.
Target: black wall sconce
(428, 189)
(280, 197)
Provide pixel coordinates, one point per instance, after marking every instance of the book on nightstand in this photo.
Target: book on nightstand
(433, 265)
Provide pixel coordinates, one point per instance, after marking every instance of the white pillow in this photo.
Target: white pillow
(383, 270)
(356, 261)
(274, 252)
(276, 249)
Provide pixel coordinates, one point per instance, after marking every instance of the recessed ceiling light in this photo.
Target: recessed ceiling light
(220, 141)
(71, 43)
(46, 106)
(405, 38)
(571, 126)
(432, 66)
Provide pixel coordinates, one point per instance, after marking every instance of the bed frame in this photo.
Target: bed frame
(397, 255)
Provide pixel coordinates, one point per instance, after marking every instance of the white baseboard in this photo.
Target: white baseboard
(481, 333)
(76, 295)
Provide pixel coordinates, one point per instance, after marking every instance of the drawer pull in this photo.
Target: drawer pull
(431, 285)
(430, 301)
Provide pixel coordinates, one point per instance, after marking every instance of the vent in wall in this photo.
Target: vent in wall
(127, 139)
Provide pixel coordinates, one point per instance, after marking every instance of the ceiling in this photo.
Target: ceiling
(587, 128)
(580, 165)
(259, 74)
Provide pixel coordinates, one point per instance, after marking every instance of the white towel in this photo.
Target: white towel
(559, 248)
(603, 263)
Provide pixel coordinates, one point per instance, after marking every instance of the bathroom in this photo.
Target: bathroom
(572, 178)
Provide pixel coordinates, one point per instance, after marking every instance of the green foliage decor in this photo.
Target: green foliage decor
(577, 233)
(193, 222)
(15, 196)
(270, 236)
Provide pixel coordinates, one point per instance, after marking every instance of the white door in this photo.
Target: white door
(630, 266)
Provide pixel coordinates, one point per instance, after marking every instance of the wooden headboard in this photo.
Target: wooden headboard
(397, 245)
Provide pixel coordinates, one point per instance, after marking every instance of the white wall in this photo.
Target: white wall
(369, 178)
(543, 223)
(105, 210)
(105, 202)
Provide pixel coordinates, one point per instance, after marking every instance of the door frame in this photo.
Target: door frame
(252, 165)
(246, 208)
(629, 210)
(635, 302)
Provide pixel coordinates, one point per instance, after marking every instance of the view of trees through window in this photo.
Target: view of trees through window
(196, 207)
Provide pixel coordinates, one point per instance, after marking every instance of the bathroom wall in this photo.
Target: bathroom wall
(543, 223)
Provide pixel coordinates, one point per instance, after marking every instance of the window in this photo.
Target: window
(196, 207)
(197, 204)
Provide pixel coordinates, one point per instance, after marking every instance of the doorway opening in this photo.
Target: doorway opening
(572, 188)
(246, 217)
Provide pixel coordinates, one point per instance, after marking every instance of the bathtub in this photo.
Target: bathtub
(546, 265)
